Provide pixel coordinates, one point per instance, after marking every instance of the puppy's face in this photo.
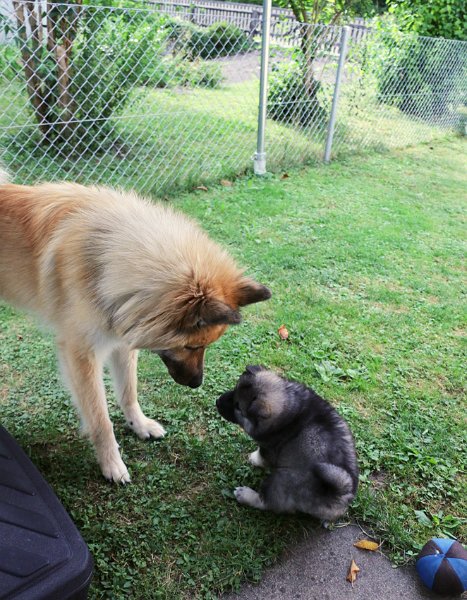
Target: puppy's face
(257, 403)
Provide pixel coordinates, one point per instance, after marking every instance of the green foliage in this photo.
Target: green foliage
(199, 74)
(110, 55)
(434, 18)
(217, 40)
(421, 73)
(420, 76)
(220, 39)
(9, 64)
(115, 53)
(327, 11)
(289, 101)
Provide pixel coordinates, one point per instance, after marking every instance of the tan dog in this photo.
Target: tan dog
(112, 273)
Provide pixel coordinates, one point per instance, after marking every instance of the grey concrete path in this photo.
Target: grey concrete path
(316, 569)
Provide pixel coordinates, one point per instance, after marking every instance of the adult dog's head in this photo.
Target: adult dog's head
(202, 324)
(163, 284)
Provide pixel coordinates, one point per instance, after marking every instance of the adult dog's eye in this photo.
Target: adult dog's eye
(193, 347)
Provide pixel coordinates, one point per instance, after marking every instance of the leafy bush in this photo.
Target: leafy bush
(220, 39)
(289, 100)
(419, 76)
(417, 82)
(179, 31)
(100, 83)
(199, 74)
(434, 18)
(9, 65)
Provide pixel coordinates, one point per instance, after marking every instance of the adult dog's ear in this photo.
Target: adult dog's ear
(249, 292)
(215, 312)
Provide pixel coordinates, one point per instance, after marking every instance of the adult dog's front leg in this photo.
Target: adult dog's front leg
(123, 364)
(83, 373)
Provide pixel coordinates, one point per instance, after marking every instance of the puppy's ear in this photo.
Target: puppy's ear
(249, 292)
(214, 312)
(253, 369)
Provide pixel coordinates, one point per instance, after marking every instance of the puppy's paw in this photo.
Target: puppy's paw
(256, 459)
(249, 497)
(114, 469)
(146, 428)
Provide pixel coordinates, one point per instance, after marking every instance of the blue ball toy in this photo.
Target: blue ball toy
(442, 566)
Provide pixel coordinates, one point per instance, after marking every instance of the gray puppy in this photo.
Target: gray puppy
(303, 441)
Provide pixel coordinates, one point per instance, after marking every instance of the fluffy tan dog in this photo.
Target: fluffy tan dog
(112, 273)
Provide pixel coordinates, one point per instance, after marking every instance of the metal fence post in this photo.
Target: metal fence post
(260, 154)
(335, 98)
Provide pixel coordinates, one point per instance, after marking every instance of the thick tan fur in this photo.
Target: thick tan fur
(112, 273)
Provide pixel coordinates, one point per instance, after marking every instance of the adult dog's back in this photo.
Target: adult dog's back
(112, 273)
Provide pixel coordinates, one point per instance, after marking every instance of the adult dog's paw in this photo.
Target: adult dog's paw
(146, 428)
(114, 469)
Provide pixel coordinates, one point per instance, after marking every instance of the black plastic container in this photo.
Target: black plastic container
(42, 554)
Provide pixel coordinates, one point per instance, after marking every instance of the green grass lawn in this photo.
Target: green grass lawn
(365, 261)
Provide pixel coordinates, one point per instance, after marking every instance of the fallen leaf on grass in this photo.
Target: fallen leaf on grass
(283, 333)
(366, 545)
(353, 570)
(203, 188)
(226, 183)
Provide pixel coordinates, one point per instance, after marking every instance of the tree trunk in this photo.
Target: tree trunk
(312, 111)
(49, 94)
(31, 57)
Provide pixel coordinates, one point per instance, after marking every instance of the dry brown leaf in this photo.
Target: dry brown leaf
(353, 570)
(366, 545)
(283, 333)
(226, 183)
(203, 188)
(284, 176)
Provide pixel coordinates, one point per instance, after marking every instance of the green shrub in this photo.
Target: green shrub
(9, 63)
(199, 74)
(422, 82)
(179, 31)
(419, 76)
(289, 101)
(220, 39)
(434, 18)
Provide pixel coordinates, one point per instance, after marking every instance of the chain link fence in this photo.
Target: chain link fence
(143, 99)
(400, 90)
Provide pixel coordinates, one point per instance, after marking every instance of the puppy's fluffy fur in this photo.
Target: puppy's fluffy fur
(112, 273)
(303, 441)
